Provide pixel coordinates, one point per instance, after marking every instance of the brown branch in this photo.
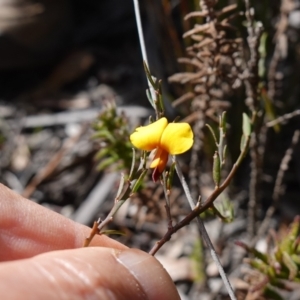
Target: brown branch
(251, 79)
(284, 118)
(93, 232)
(101, 224)
(201, 208)
(125, 192)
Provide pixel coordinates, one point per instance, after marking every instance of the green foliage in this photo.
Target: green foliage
(216, 169)
(112, 132)
(224, 209)
(220, 153)
(154, 93)
(281, 263)
(112, 232)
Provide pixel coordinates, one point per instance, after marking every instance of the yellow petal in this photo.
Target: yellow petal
(160, 160)
(177, 138)
(147, 137)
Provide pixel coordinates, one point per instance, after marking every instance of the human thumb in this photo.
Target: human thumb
(87, 273)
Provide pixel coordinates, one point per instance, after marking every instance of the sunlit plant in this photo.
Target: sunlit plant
(279, 266)
(111, 135)
(171, 139)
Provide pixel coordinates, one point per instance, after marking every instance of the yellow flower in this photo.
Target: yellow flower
(166, 138)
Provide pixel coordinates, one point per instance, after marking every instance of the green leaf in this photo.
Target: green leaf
(224, 210)
(160, 104)
(121, 186)
(212, 133)
(100, 154)
(296, 259)
(104, 134)
(137, 183)
(224, 154)
(223, 122)
(288, 242)
(106, 163)
(216, 169)
(289, 263)
(243, 142)
(132, 164)
(246, 125)
(111, 231)
(149, 76)
(171, 176)
(149, 97)
(260, 266)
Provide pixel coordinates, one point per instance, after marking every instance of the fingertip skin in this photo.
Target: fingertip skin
(28, 229)
(152, 276)
(87, 273)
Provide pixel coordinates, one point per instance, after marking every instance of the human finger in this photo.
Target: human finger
(28, 229)
(87, 273)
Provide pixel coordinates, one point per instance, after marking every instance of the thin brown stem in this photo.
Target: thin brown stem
(284, 118)
(251, 79)
(199, 209)
(93, 232)
(203, 233)
(167, 205)
(125, 192)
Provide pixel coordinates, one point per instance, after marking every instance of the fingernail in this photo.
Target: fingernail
(150, 274)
